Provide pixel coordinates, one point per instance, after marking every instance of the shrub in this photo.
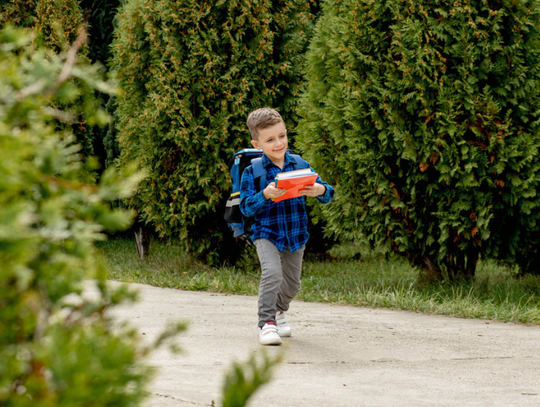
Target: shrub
(190, 73)
(58, 24)
(57, 347)
(21, 13)
(425, 115)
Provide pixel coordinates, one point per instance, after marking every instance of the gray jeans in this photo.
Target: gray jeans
(280, 279)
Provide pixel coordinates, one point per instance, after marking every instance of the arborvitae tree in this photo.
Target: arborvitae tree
(57, 346)
(68, 17)
(58, 24)
(20, 13)
(425, 114)
(190, 73)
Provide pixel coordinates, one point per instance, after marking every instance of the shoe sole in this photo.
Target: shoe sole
(271, 342)
(284, 334)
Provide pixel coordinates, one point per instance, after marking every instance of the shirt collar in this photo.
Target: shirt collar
(288, 159)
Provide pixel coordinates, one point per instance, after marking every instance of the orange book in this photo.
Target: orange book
(293, 182)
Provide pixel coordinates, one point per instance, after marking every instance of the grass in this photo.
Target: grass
(367, 279)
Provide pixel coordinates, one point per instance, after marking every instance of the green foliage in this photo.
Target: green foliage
(110, 141)
(244, 379)
(21, 13)
(425, 115)
(101, 14)
(190, 73)
(57, 345)
(58, 24)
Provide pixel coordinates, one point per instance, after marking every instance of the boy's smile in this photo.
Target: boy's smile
(273, 142)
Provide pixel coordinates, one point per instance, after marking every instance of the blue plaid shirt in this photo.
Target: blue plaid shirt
(284, 223)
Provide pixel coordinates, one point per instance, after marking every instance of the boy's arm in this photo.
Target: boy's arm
(328, 194)
(315, 191)
(251, 201)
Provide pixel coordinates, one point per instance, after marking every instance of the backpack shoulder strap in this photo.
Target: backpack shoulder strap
(259, 173)
(300, 162)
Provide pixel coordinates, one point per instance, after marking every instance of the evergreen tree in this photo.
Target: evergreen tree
(57, 346)
(190, 73)
(58, 25)
(425, 114)
(20, 13)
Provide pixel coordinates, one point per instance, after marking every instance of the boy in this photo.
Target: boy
(279, 230)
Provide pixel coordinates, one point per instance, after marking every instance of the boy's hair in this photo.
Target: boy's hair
(261, 119)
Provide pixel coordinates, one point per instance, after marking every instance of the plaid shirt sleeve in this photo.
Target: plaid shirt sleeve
(328, 194)
(251, 201)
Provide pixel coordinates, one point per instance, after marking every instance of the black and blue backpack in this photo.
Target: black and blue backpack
(239, 223)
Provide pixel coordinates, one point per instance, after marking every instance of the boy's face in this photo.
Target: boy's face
(273, 142)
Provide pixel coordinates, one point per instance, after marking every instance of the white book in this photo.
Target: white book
(295, 174)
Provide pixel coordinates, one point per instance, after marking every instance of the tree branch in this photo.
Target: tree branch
(71, 58)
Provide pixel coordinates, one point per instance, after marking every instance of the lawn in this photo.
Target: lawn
(353, 276)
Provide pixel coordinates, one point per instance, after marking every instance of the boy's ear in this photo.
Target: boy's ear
(255, 144)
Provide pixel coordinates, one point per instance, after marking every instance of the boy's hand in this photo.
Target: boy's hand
(271, 192)
(314, 190)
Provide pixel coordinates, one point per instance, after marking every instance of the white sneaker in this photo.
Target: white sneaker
(269, 335)
(283, 328)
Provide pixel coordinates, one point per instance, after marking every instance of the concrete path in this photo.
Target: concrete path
(339, 355)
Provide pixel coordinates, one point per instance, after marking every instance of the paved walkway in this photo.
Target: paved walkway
(339, 355)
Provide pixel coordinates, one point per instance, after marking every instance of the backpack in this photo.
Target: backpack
(239, 223)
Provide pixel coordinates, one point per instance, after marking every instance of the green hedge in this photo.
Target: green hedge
(190, 73)
(425, 115)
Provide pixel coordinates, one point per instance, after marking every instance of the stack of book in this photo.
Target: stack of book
(294, 181)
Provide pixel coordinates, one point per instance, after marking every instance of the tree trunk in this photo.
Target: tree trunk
(432, 273)
(142, 241)
(464, 266)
